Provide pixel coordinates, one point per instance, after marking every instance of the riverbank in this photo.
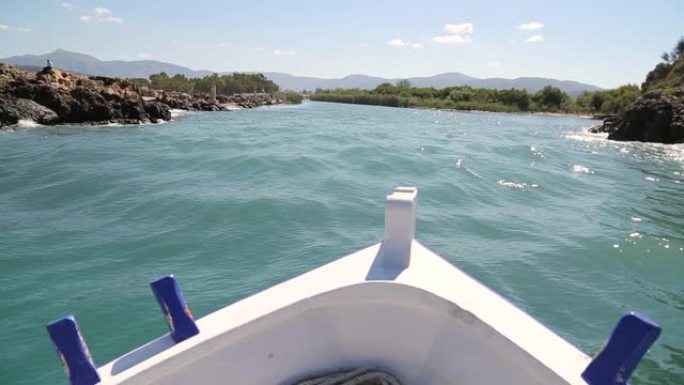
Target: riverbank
(538, 113)
(548, 100)
(53, 96)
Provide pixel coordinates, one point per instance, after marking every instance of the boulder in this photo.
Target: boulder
(157, 111)
(89, 105)
(13, 110)
(8, 113)
(654, 117)
(54, 99)
(28, 109)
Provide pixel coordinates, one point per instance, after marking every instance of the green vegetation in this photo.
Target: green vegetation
(235, 83)
(669, 74)
(609, 101)
(549, 99)
(290, 97)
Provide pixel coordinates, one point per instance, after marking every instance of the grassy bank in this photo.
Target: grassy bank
(548, 100)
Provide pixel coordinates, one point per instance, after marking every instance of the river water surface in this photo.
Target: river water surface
(572, 228)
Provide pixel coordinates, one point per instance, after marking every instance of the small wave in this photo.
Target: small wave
(28, 123)
(459, 164)
(536, 152)
(640, 150)
(511, 184)
(579, 169)
(585, 136)
(176, 113)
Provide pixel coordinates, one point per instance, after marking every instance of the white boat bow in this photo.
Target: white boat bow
(395, 306)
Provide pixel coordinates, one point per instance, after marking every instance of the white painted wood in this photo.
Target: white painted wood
(400, 227)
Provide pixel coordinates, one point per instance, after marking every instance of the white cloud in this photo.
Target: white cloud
(5, 27)
(535, 39)
(494, 64)
(452, 39)
(99, 15)
(531, 26)
(459, 29)
(456, 34)
(363, 45)
(397, 43)
(221, 45)
(143, 55)
(281, 52)
(68, 6)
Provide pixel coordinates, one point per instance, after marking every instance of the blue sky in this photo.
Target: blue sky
(607, 43)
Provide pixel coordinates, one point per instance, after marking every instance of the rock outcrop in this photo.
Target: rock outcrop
(12, 110)
(655, 116)
(53, 96)
(203, 102)
(658, 114)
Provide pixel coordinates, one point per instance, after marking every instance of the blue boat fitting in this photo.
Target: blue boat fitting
(73, 351)
(176, 312)
(628, 343)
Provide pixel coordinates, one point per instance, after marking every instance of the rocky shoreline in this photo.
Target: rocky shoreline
(53, 96)
(655, 116)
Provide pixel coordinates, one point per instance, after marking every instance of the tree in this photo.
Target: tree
(461, 94)
(404, 83)
(666, 57)
(678, 51)
(386, 89)
(225, 84)
(550, 98)
(597, 100)
(513, 97)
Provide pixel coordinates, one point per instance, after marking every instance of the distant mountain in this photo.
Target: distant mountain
(86, 64)
(535, 84)
(450, 79)
(78, 62)
(298, 83)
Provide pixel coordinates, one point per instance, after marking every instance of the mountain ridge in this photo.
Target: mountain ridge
(87, 64)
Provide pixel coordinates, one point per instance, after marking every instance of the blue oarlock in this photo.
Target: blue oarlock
(73, 351)
(176, 312)
(628, 343)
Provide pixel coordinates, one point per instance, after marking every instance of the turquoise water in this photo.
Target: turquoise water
(572, 228)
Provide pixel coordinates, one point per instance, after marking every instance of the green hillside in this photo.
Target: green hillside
(668, 75)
